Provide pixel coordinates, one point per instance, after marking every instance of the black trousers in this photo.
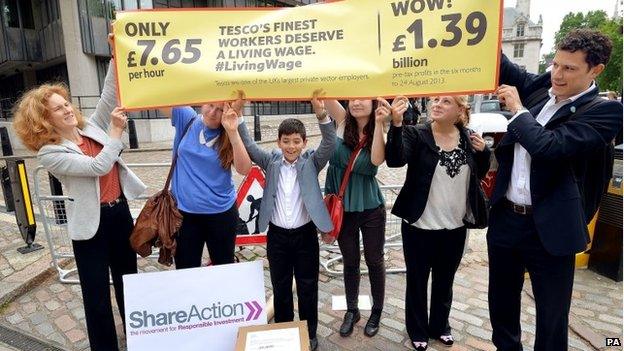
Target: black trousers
(437, 252)
(108, 250)
(372, 223)
(294, 251)
(551, 277)
(216, 231)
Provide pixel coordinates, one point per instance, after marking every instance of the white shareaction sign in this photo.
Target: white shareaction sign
(193, 309)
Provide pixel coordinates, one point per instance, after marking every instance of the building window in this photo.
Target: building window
(520, 30)
(28, 21)
(96, 8)
(49, 12)
(518, 50)
(136, 4)
(145, 4)
(128, 4)
(11, 14)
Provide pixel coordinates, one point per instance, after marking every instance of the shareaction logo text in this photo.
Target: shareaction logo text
(194, 317)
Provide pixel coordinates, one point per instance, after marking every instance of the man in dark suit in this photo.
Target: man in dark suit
(539, 215)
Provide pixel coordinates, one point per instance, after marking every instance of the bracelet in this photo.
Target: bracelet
(322, 115)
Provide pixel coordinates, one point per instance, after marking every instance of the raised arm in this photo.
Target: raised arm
(335, 111)
(328, 135)
(108, 99)
(396, 150)
(242, 162)
(378, 154)
(63, 163)
(526, 83)
(394, 147)
(332, 107)
(583, 132)
(595, 128)
(59, 161)
(258, 156)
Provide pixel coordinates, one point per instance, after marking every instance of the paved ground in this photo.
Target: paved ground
(50, 311)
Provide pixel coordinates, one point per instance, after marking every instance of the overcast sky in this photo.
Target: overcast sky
(553, 11)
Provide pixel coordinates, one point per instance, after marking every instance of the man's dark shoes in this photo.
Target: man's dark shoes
(350, 318)
(372, 325)
(313, 344)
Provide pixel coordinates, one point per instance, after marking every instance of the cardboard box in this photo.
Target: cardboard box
(241, 340)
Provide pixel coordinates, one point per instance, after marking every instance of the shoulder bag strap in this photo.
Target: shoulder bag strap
(175, 154)
(347, 173)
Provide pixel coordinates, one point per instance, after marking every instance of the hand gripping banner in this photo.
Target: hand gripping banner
(349, 48)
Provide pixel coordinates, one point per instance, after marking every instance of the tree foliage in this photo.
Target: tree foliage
(545, 62)
(611, 78)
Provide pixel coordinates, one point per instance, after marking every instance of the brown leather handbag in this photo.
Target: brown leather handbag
(335, 202)
(159, 221)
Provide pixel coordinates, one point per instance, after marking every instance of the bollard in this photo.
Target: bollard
(6, 189)
(24, 213)
(257, 132)
(56, 189)
(132, 134)
(7, 149)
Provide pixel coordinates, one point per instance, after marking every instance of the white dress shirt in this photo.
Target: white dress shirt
(290, 212)
(519, 190)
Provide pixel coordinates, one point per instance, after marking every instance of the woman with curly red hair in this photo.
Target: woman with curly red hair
(85, 156)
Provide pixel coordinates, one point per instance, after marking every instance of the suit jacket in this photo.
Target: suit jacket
(310, 163)
(80, 173)
(556, 150)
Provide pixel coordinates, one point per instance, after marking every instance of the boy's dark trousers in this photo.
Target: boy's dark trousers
(294, 251)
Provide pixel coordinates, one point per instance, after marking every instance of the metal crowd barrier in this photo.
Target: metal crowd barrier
(331, 264)
(54, 220)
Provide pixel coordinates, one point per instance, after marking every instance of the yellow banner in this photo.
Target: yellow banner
(349, 48)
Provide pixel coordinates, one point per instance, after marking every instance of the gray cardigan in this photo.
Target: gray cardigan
(80, 173)
(310, 163)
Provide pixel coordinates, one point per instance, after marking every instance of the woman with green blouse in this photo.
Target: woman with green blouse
(364, 205)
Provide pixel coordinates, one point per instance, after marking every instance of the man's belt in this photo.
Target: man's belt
(517, 208)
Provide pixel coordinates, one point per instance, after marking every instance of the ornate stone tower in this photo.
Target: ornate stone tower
(524, 7)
